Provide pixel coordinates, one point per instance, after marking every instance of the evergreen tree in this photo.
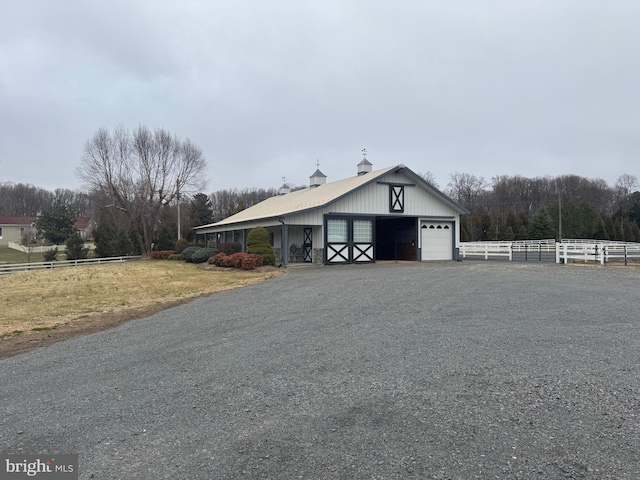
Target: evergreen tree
(75, 247)
(56, 223)
(541, 225)
(201, 210)
(258, 242)
(111, 241)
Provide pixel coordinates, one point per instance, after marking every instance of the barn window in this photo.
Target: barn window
(337, 230)
(396, 198)
(362, 231)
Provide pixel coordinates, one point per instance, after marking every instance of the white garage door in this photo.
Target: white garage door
(437, 240)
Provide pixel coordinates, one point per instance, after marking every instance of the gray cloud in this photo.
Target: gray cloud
(266, 88)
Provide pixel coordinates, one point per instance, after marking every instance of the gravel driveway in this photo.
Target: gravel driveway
(440, 370)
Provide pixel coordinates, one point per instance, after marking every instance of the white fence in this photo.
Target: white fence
(567, 250)
(45, 248)
(19, 267)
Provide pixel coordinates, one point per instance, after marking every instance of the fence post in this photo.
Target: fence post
(539, 252)
(511, 252)
(625, 255)
(558, 252)
(604, 255)
(486, 252)
(526, 252)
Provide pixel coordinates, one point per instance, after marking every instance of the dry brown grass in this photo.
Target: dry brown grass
(46, 299)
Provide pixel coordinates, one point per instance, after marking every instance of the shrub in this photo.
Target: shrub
(181, 244)
(175, 256)
(216, 259)
(187, 252)
(251, 261)
(229, 248)
(161, 254)
(244, 261)
(51, 255)
(75, 247)
(203, 254)
(258, 243)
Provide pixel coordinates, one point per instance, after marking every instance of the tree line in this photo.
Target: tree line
(568, 206)
(138, 183)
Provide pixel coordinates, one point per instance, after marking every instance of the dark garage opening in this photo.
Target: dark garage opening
(396, 238)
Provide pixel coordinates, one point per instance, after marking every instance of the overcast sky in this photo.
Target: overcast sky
(266, 88)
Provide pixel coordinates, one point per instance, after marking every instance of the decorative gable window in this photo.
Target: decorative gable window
(396, 198)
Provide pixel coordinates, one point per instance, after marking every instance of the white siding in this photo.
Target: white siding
(374, 200)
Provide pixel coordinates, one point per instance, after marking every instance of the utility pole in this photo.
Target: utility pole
(178, 200)
(559, 218)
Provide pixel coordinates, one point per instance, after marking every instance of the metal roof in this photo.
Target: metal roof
(316, 197)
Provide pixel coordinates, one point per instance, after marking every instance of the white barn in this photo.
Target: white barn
(387, 214)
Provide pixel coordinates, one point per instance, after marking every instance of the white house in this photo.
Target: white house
(12, 228)
(387, 214)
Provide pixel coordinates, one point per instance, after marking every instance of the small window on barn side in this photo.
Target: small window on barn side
(337, 230)
(362, 231)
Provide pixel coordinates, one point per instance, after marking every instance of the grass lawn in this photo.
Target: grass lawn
(9, 255)
(46, 299)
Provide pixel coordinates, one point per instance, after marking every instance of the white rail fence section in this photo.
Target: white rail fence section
(44, 248)
(18, 267)
(544, 250)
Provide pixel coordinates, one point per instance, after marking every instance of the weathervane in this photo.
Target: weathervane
(317, 163)
(284, 179)
(364, 153)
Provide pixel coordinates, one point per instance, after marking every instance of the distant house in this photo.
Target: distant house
(387, 214)
(11, 228)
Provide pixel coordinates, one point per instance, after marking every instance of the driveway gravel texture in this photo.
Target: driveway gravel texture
(412, 370)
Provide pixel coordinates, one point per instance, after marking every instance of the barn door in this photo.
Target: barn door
(307, 245)
(362, 240)
(337, 240)
(349, 240)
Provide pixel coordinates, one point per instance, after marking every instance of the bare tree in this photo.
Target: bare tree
(141, 171)
(430, 178)
(467, 189)
(28, 237)
(626, 184)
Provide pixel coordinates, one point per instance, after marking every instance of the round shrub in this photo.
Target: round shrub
(175, 256)
(251, 261)
(50, 255)
(187, 252)
(203, 254)
(258, 243)
(229, 248)
(181, 244)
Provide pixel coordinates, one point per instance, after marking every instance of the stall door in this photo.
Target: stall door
(307, 245)
(349, 240)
